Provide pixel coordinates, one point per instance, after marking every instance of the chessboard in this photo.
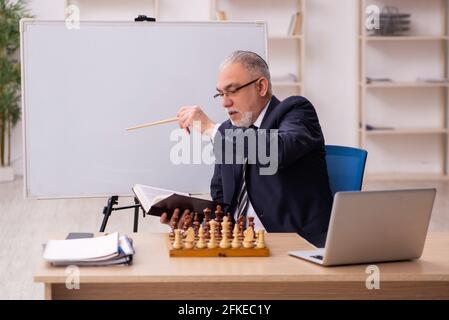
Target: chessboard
(213, 237)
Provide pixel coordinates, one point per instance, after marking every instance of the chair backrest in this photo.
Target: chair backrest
(345, 167)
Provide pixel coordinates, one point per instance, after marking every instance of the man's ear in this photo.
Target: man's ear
(262, 86)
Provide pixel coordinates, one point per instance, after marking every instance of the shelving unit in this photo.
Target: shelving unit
(417, 147)
(279, 43)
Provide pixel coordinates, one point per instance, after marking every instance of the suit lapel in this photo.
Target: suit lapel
(273, 103)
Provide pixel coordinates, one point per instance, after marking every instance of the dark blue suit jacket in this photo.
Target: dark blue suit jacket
(297, 198)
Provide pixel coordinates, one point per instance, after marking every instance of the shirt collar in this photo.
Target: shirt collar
(259, 119)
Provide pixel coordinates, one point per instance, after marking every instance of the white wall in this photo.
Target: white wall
(332, 66)
(331, 57)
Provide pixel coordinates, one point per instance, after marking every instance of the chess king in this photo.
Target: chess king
(296, 196)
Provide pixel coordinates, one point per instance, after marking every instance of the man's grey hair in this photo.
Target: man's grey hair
(252, 62)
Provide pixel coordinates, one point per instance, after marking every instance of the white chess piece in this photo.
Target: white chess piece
(177, 244)
(260, 243)
(201, 244)
(190, 238)
(212, 240)
(225, 243)
(236, 241)
(248, 241)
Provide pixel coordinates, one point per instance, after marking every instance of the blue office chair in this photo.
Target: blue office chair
(345, 167)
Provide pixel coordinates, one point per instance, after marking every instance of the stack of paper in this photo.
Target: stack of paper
(105, 250)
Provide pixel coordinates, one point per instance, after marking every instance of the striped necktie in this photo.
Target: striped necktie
(242, 199)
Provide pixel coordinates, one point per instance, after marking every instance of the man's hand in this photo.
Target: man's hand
(175, 216)
(187, 115)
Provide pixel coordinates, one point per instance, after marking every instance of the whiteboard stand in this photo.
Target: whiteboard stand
(107, 211)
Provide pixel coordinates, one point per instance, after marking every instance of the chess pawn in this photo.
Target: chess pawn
(241, 223)
(206, 220)
(196, 223)
(217, 230)
(177, 244)
(219, 214)
(225, 243)
(226, 224)
(260, 243)
(212, 241)
(252, 225)
(219, 219)
(231, 224)
(187, 219)
(248, 241)
(200, 243)
(236, 241)
(189, 239)
(251, 222)
(207, 212)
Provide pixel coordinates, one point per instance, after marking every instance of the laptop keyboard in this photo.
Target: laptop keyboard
(318, 257)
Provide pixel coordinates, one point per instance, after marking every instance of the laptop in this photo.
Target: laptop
(375, 226)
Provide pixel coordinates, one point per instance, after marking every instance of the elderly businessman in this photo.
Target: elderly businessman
(297, 197)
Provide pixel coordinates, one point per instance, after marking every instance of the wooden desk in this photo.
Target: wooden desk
(156, 276)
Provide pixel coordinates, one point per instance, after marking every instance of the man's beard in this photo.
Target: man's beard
(245, 121)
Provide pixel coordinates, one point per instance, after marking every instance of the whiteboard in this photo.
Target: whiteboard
(82, 88)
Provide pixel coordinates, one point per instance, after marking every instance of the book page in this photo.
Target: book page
(148, 196)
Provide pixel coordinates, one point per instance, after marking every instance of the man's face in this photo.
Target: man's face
(244, 105)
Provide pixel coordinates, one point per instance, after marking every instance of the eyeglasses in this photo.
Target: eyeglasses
(234, 91)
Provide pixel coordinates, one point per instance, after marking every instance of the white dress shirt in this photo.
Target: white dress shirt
(250, 211)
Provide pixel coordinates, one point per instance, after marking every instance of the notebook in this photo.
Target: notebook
(103, 250)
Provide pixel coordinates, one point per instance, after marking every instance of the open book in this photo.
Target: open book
(156, 201)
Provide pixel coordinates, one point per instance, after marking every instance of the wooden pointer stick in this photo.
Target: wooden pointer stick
(153, 123)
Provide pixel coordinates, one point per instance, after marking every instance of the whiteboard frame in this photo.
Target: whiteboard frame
(24, 22)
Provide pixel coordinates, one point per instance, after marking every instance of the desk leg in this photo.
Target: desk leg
(48, 291)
